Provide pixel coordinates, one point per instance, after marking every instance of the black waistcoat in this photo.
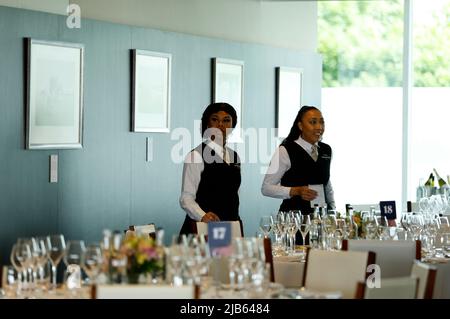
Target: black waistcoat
(219, 185)
(305, 171)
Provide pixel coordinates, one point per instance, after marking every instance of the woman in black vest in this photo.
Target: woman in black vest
(301, 160)
(211, 172)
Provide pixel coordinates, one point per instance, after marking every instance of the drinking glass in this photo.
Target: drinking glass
(304, 224)
(56, 246)
(40, 259)
(15, 262)
(291, 226)
(370, 225)
(92, 261)
(26, 260)
(424, 205)
(329, 223)
(265, 224)
(277, 246)
(416, 225)
(74, 252)
(443, 221)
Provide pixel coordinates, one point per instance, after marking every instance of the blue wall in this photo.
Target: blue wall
(108, 183)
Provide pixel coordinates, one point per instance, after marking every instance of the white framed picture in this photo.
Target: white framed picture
(228, 87)
(150, 91)
(54, 102)
(289, 83)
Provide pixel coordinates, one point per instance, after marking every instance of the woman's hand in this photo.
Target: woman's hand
(210, 217)
(304, 192)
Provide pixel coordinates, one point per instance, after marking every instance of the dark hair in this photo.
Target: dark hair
(217, 107)
(295, 132)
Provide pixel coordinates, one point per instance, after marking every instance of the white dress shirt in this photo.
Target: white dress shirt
(281, 163)
(192, 170)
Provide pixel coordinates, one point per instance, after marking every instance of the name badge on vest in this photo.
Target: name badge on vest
(388, 209)
(219, 238)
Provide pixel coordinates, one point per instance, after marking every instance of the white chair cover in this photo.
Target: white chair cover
(427, 275)
(393, 288)
(395, 257)
(327, 271)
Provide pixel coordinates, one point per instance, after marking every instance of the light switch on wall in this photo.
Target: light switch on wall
(149, 150)
(54, 168)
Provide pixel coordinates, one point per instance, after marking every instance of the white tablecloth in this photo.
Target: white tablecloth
(442, 283)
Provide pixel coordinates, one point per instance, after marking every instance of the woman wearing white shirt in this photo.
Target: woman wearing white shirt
(211, 172)
(299, 161)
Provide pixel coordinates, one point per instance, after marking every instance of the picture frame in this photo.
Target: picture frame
(289, 93)
(228, 87)
(54, 94)
(150, 100)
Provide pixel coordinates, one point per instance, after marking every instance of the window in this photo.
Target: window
(430, 108)
(362, 47)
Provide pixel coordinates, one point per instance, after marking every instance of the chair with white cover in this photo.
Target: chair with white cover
(269, 256)
(327, 270)
(427, 276)
(395, 257)
(143, 292)
(390, 288)
(236, 228)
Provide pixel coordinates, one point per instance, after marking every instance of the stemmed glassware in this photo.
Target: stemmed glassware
(278, 244)
(416, 225)
(370, 225)
(40, 256)
(24, 256)
(265, 224)
(291, 226)
(21, 271)
(304, 224)
(74, 252)
(92, 262)
(56, 247)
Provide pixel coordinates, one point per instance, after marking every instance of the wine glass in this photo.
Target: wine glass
(56, 246)
(265, 224)
(18, 267)
(40, 259)
(92, 261)
(304, 224)
(329, 223)
(25, 257)
(291, 227)
(416, 225)
(74, 252)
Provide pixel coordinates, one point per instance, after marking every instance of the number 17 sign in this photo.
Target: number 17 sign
(219, 238)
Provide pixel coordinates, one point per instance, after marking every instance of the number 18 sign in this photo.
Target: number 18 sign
(388, 209)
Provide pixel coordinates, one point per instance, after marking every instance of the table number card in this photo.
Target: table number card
(219, 238)
(388, 209)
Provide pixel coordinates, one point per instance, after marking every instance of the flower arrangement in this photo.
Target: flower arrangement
(357, 218)
(144, 256)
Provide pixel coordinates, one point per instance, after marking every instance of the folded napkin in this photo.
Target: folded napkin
(435, 260)
(294, 258)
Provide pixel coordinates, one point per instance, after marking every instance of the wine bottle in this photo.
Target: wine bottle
(430, 180)
(441, 181)
(347, 209)
(421, 191)
(316, 229)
